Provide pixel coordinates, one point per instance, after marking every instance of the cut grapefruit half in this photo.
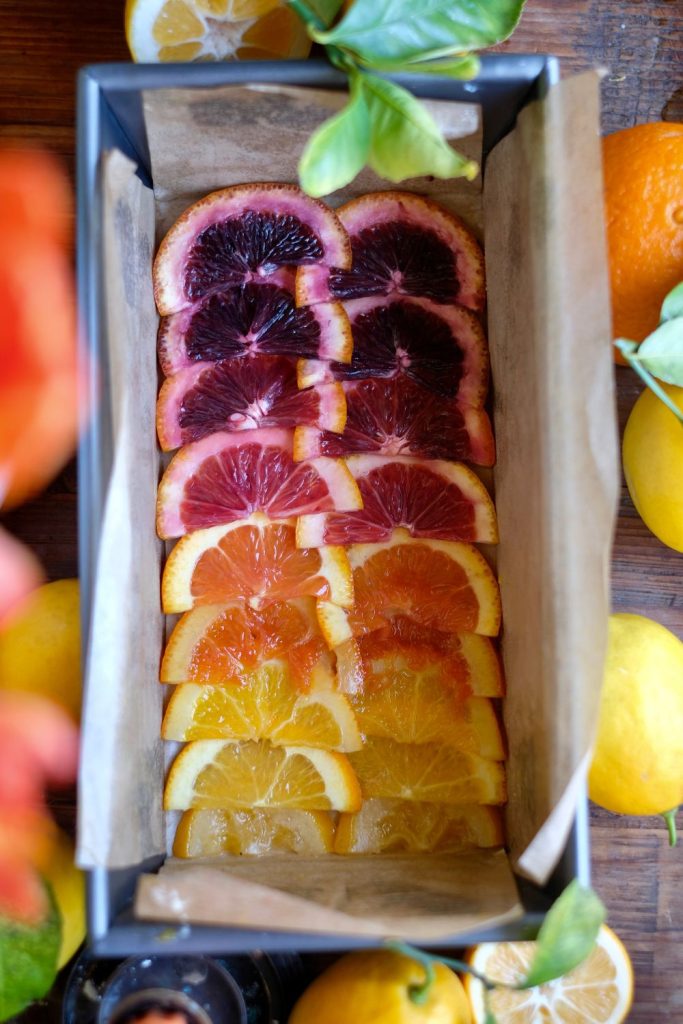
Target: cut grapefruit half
(248, 393)
(441, 348)
(243, 234)
(233, 774)
(404, 826)
(398, 417)
(443, 500)
(402, 244)
(221, 644)
(256, 560)
(214, 833)
(229, 476)
(253, 319)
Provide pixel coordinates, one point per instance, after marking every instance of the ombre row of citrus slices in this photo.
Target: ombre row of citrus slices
(325, 380)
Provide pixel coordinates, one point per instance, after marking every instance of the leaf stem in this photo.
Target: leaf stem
(427, 958)
(670, 819)
(307, 14)
(627, 350)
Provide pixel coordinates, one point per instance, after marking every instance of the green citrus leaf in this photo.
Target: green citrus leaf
(405, 140)
(338, 149)
(567, 934)
(28, 961)
(662, 352)
(403, 30)
(462, 66)
(672, 306)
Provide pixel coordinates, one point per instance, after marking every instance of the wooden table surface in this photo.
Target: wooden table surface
(43, 43)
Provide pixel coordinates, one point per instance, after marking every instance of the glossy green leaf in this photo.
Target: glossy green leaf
(463, 66)
(28, 961)
(662, 352)
(405, 140)
(567, 934)
(673, 304)
(339, 148)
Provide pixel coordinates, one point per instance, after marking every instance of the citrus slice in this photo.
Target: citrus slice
(256, 560)
(220, 644)
(253, 319)
(200, 30)
(398, 417)
(211, 833)
(266, 705)
(230, 774)
(430, 772)
(402, 244)
(442, 500)
(599, 989)
(242, 234)
(404, 826)
(229, 476)
(441, 348)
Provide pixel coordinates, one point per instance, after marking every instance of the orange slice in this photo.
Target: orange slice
(256, 560)
(253, 833)
(599, 989)
(218, 644)
(266, 705)
(229, 774)
(433, 772)
(402, 826)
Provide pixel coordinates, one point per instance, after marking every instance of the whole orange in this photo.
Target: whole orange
(643, 171)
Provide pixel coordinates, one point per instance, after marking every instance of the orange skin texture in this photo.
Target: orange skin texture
(643, 177)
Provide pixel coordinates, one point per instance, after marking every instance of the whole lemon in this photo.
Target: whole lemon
(40, 651)
(637, 764)
(68, 887)
(653, 461)
(374, 987)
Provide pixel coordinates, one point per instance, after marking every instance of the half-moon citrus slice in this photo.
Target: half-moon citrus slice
(441, 348)
(248, 393)
(253, 319)
(443, 500)
(405, 826)
(402, 244)
(221, 644)
(256, 560)
(212, 833)
(233, 774)
(229, 476)
(398, 417)
(243, 234)
(430, 772)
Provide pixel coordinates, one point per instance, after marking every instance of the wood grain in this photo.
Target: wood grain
(639, 43)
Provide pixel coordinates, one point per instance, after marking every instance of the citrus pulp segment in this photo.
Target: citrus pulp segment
(437, 499)
(430, 772)
(232, 774)
(405, 826)
(252, 319)
(210, 833)
(229, 476)
(256, 560)
(402, 244)
(220, 644)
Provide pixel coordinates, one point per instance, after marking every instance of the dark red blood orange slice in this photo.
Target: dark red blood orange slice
(442, 348)
(242, 234)
(397, 417)
(254, 318)
(226, 477)
(443, 500)
(405, 244)
(246, 393)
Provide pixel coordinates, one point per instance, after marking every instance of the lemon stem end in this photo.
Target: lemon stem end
(670, 819)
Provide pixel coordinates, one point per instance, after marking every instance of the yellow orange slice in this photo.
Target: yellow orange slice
(404, 826)
(231, 774)
(210, 833)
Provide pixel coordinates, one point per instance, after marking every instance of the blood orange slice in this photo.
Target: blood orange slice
(442, 348)
(225, 477)
(405, 244)
(220, 644)
(256, 560)
(242, 234)
(249, 320)
(443, 500)
(243, 394)
(397, 417)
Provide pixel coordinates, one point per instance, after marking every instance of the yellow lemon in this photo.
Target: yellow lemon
(374, 987)
(40, 652)
(68, 885)
(637, 765)
(653, 461)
